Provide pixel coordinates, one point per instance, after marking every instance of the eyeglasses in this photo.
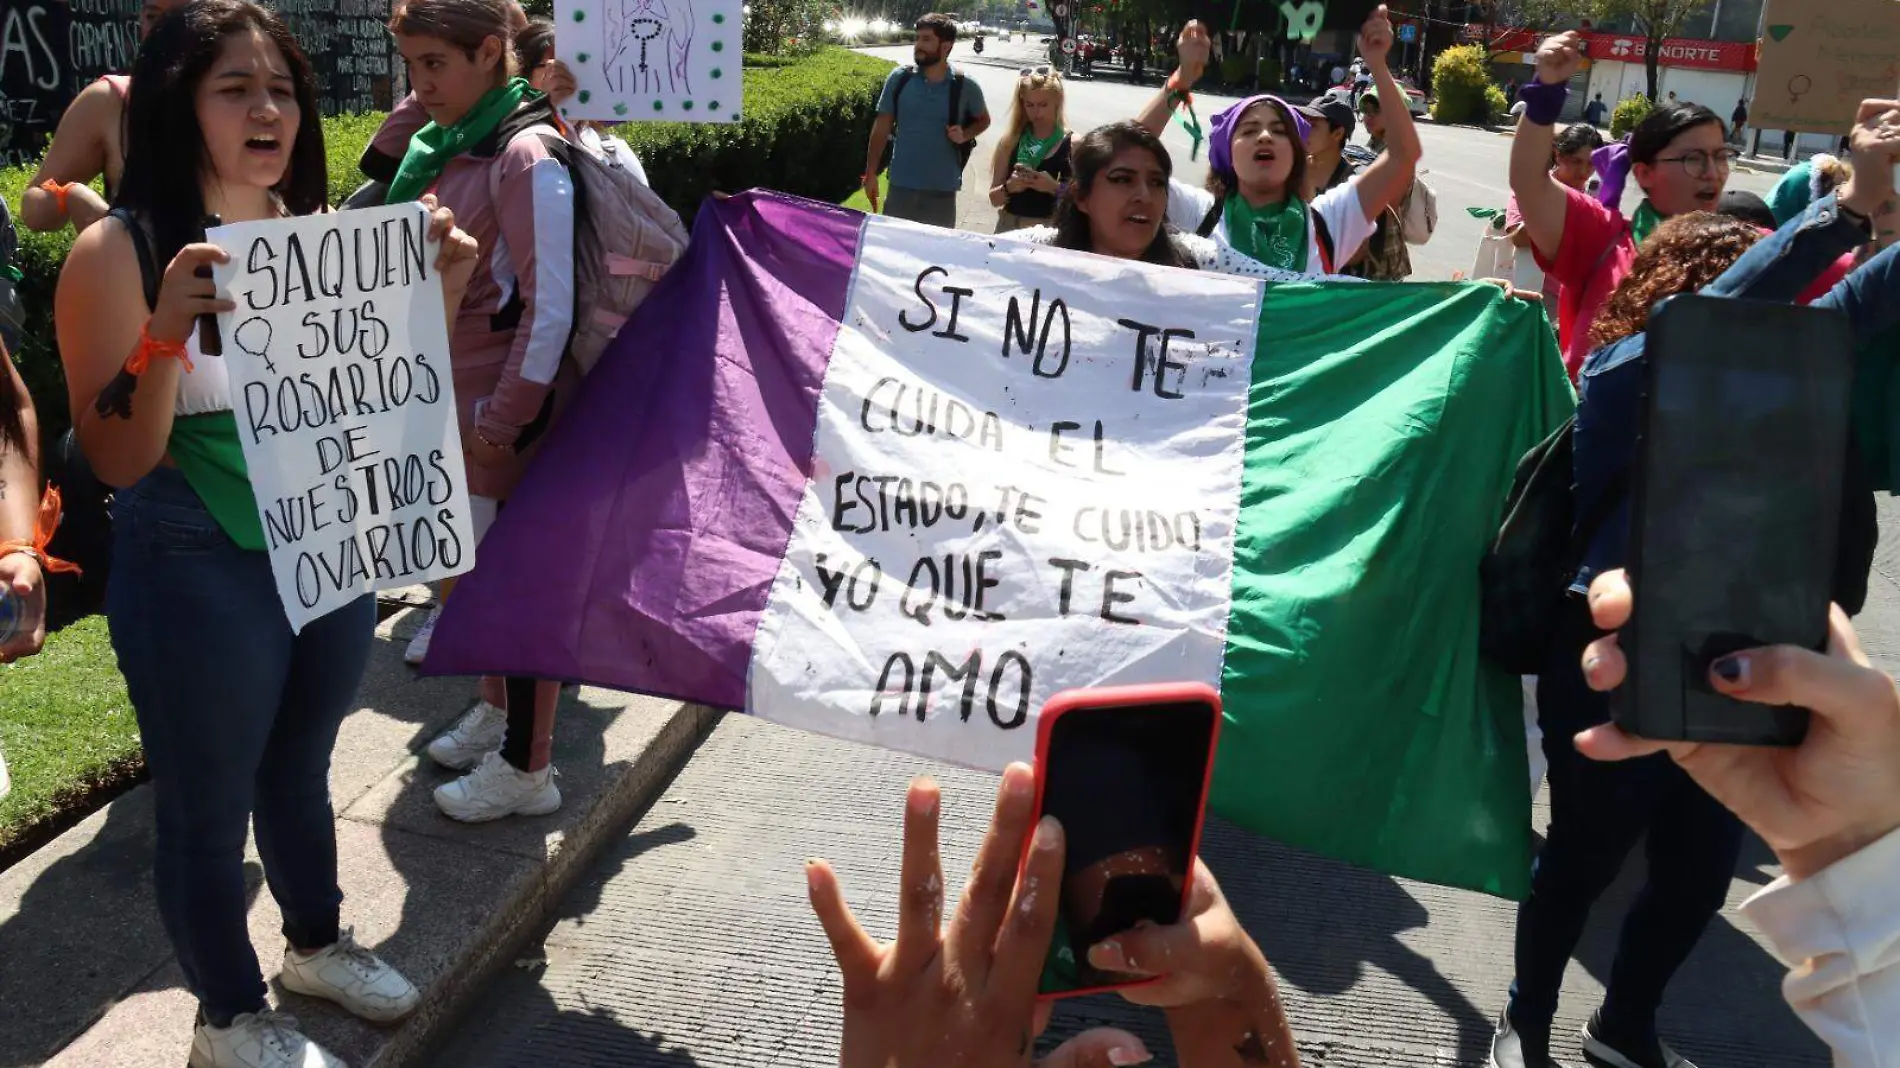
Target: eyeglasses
(1698, 163)
(1037, 72)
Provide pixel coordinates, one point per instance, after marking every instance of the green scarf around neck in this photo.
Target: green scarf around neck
(1274, 234)
(434, 146)
(1030, 151)
(1644, 223)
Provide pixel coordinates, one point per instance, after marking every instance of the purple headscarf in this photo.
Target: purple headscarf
(1612, 162)
(1220, 154)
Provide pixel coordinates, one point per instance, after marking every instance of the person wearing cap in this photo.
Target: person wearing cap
(1257, 206)
(1330, 118)
(1374, 120)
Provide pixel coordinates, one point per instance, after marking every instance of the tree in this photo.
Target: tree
(1656, 21)
(1539, 16)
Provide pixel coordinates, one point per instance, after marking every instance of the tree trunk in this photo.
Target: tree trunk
(1652, 63)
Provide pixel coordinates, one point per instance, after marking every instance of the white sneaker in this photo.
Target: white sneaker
(418, 650)
(496, 789)
(473, 737)
(353, 977)
(258, 1040)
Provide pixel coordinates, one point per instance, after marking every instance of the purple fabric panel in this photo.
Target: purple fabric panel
(640, 549)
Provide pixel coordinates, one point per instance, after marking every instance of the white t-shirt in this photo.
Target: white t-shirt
(1339, 206)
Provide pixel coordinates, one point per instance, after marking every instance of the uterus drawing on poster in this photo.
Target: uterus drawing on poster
(657, 60)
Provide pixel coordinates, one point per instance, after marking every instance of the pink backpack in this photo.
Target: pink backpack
(625, 240)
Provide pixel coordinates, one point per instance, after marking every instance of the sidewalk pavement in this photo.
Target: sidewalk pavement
(691, 942)
(89, 979)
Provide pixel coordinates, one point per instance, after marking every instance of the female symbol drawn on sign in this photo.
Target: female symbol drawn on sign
(1068, 47)
(1797, 86)
(253, 339)
(663, 32)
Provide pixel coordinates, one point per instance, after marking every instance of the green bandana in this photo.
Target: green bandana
(434, 146)
(1030, 152)
(1645, 223)
(1274, 235)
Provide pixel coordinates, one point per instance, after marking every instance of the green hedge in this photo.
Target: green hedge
(804, 131)
(1628, 115)
(1459, 83)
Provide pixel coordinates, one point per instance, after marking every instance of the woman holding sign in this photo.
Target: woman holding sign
(485, 153)
(237, 713)
(1257, 207)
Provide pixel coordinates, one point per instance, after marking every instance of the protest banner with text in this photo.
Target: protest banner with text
(339, 363)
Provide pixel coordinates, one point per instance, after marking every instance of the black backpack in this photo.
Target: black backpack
(964, 150)
(1525, 576)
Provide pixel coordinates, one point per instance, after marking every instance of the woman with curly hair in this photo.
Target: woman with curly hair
(1598, 811)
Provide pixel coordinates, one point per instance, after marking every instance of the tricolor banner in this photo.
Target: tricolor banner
(900, 484)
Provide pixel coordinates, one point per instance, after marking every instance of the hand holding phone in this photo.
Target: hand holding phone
(966, 995)
(1126, 771)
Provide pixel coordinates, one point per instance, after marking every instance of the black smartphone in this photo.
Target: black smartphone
(210, 343)
(1126, 771)
(1735, 508)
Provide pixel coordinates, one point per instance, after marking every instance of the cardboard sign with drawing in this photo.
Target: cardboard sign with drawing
(1819, 61)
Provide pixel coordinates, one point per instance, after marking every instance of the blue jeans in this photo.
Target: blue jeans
(1598, 811)
(238, 717)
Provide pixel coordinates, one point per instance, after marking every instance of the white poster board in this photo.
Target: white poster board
(338, 356)
(652, 60)
(1026, 479)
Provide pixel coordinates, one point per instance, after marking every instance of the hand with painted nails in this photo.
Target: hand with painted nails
(1814, 804)
(966, 996)
(1222, 1003)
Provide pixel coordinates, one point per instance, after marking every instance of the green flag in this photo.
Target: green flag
(1384, 424)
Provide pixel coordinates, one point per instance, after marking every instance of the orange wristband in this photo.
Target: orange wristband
(43, 528)
(59, 193)
(150, 348)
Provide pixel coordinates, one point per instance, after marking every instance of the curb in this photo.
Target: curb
(522, 910)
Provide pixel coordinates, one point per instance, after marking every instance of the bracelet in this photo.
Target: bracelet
(483, 438)
(150, 348)
(58, 190)
(44, 524)
(1543, 102)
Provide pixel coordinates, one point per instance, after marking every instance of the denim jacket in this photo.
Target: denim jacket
(1778, 268)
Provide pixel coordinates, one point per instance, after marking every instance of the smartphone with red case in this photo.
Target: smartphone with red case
(1126, 769)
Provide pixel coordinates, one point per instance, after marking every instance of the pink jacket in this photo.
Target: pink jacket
(509, 346)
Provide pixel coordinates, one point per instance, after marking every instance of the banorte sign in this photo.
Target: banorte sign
(1682, 52)
(1676, 52)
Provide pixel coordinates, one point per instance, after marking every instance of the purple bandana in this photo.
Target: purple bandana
(1220, 154)
(1612, 162)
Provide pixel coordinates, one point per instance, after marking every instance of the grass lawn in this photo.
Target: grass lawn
(66, 727)
(857, 200)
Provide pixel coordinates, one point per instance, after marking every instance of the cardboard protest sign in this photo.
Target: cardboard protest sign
(651, 60)
(338, 355)
(1820, 60)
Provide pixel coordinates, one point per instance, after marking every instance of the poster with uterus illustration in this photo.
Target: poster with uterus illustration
(654, 60)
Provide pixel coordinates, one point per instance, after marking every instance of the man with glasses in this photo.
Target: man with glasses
(1680, 160)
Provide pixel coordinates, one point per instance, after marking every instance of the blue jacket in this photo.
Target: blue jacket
(1779, 268)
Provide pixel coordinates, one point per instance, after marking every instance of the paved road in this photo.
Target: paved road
(691, 943)
(1467, 167)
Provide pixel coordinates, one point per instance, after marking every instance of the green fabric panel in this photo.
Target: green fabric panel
(1361, 723)
(210, 456)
